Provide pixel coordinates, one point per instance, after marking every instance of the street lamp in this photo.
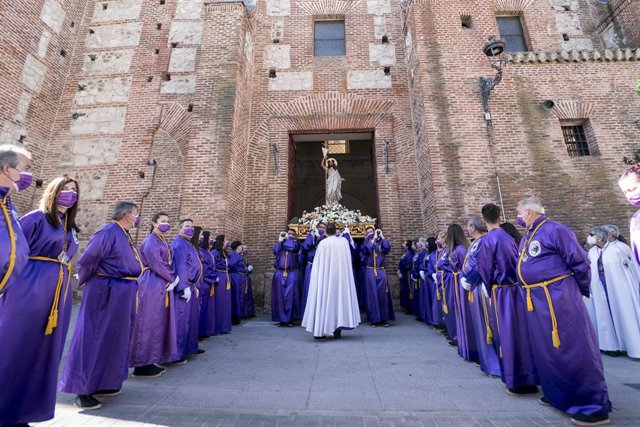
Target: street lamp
(493, 49)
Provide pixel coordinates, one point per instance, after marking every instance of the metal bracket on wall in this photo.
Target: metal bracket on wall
(276, 161)
(387, 141)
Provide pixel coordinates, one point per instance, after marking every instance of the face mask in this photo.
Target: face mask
(591, 240)
(520, 221)
(201, 239)
(245, 251)
(211, 242)
(226, 245)
(24, 182)
(369, 235)
(634, 199)
(136, 222)
(321, 231)
(188, 231)
(67, 198)
(439, 244)
(291, 236)
(164, 227)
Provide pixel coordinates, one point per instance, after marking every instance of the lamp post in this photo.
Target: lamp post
(493, 49)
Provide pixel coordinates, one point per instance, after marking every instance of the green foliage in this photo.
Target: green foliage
(638, 86)
(634, 159)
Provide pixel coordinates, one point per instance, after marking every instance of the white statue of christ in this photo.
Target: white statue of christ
(334, 180)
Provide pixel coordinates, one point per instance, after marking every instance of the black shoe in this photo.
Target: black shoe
(290, 325)
(337, 334)
(148, 371)
(107, 393)
(19, 425)
(87, 401)
(523, 390)
(590, 420)
(282, 324)
(612, 353)
(544, 402)
(200, 351)
(385, 324)
(235, 322)
(178, 362)
(320, 338)
(452, 343)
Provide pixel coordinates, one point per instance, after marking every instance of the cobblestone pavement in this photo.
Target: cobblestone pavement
(405, 375)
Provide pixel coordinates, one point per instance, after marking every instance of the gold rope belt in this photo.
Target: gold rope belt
(375, 273)
(555, 336)
(12, 240)
(486, 319)
(53, 313)
(130, 279)
(494, 295)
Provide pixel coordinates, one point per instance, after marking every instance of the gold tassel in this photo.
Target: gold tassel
(445, 308)
(166, 300)
(471, 297)
(53, 322)
(137, 303)
(229, 284)
(529, 300)
(555, 338)
(212, 292)
(500, 352)
(438, 296)
(489, 335)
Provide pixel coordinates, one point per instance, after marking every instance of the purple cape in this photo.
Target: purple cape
(30, 358)
(99, 352)
(154, 331)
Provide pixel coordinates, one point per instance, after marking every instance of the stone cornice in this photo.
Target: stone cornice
(606, 55)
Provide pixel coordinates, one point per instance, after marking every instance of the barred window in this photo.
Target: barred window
(328, 38)
(576, 140)
(512, 33)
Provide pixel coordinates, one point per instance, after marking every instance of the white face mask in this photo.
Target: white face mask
(591, 240)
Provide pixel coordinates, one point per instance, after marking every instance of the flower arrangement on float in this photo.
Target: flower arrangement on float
(338, 214)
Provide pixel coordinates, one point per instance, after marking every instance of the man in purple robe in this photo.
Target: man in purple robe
(379, 302)
(430, 271)
(14, 250)
(154, 330)
(404, 274)
(554, 274)
(35, 313)
(249, 304)
(206, 291)
(309, 247)
(189, 269)
(238, 276)
(222, 286)
(417, 265)
(284, 289)
(98, 361)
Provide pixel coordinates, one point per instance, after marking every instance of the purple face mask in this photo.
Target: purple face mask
(26, 178)
(634, 199)
(188, 231)
(321, 231)
(211, 242)
(136, 223)
(439, 244)
(520, 221)
(201, 239)
(369, 235)
(67, 198)
(164, 227)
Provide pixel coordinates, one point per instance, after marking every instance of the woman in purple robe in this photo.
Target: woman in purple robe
(444, 282)
(416, 278)
(428, 295)
(154, 330)
(249, 305)
(238, 276)
(222, 286)
(35, 313)
(457, 240)
(98, 361)
(554, 273)
(189, 268)
(480, 305)
(404, 274)
(379, 302)
(430, 270)
(308, 249)
(14, 175)
(206, 291)
(284, 289)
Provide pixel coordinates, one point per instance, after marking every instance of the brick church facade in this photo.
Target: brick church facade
(214, 110)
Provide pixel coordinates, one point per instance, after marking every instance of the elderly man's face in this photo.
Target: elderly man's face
(23, 165)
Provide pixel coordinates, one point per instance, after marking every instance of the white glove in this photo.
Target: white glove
(283, 237)
(465, 284)
(346, 230)
(314, 231)
(250, 268)
(171, 286)
(186, 294)
(435, 277)
(484, 291)
(423, 275)
(217, 280)
(399, 274)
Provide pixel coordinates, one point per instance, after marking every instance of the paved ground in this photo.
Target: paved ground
(406, 375)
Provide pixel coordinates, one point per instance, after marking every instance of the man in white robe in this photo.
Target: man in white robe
(332, 302)
(614, 304)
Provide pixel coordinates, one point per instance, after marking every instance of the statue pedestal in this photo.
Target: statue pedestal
(357, 229)
(336, 214)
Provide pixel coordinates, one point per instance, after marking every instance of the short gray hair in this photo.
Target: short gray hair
(600, 232)
(531, 203)
(477, 222)
(9, 155)
(611, 230)
(123, 208)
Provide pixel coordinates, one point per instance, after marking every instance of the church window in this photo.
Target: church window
(512, 33)
(329, 38)
(579, 138)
